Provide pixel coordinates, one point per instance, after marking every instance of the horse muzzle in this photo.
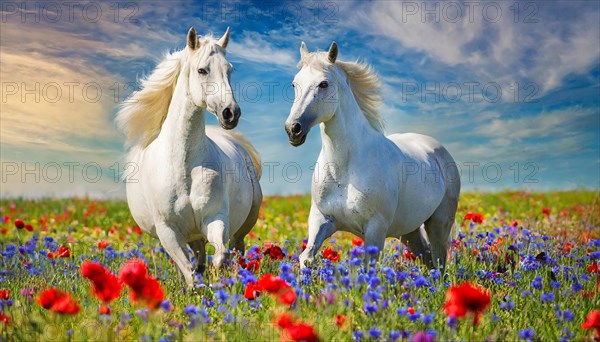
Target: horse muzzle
(230, 116)
(296, 133)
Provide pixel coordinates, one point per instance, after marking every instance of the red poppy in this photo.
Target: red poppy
(515, 224)
(284, 320)
(299, 332)
(409, 255)
(357, 241)
(102, 244)
(242, 262)
(593, 321)
(104, 310)
(63, 252)
(29, 227)
(339, 320)
(145, 288)
(295, 331)
(274, 252)
(4, 319)
(19, 224)
(287, 296)
(593, 268)
(271, 283)
(304, 243)
(546, 211)
(251, 291)
(277, 286)
(4, 231)
(475, 217)
(5, 294)
(466, 298)
(411, 310)
(58, 301)
(106, 284)
(329, 253)
(138, 230)
(50, 255)
(253, 265)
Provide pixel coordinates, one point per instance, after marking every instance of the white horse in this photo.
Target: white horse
(193, 183)
(366, 183)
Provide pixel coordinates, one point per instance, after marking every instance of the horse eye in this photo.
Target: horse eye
(293, 85)
(202, 71)
(323, 84)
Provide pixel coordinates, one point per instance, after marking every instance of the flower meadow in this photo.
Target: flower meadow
(522, 266)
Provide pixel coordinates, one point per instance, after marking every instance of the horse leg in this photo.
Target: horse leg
(199, 249)
(439, 227)
(375, 234)
(217, 233)
(174, 243)
(320, 228)
(416, 242)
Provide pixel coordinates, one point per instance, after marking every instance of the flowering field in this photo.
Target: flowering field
(522, 267)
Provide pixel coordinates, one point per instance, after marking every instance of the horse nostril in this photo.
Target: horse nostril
(228, 115)
(296, 128)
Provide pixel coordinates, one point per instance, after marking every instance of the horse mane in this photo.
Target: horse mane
(141, 116)
(363, 81)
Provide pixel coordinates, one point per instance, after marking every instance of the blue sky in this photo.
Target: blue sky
(511, 89)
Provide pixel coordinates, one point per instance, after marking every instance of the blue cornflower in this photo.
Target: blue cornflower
(555, 284)
(370, 308)
(435, 274)
(401, 276)
(547, 297)
(358, 335)
(576, 287)
(452, 321)
(355, 262)
(372, 250)
(428, 319)
(374, 332)
(357, 251)
(285, 267)
(191, 310)
(166, 306)
(508, 305)
(414, 317)
(374, 282)
(346, 282)
(537, 283)
(402, 311)
(526, 334)
(372, 296)
(222, 296)
(394, 335)
(421, 281)
(568, 316)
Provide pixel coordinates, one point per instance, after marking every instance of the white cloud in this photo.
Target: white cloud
(254, 47)
(543, 52)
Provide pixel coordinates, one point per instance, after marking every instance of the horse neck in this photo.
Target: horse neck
(184, 126)
(347, 131)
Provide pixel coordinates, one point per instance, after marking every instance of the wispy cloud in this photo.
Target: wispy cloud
(254, 47)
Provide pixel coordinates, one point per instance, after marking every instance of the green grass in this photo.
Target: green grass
(574, 219)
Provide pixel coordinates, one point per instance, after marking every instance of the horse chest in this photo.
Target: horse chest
(347, 202)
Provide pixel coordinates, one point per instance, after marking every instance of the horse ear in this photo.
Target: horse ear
(192, 38)
(224, 40)
(303, 50)
(332, 53)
